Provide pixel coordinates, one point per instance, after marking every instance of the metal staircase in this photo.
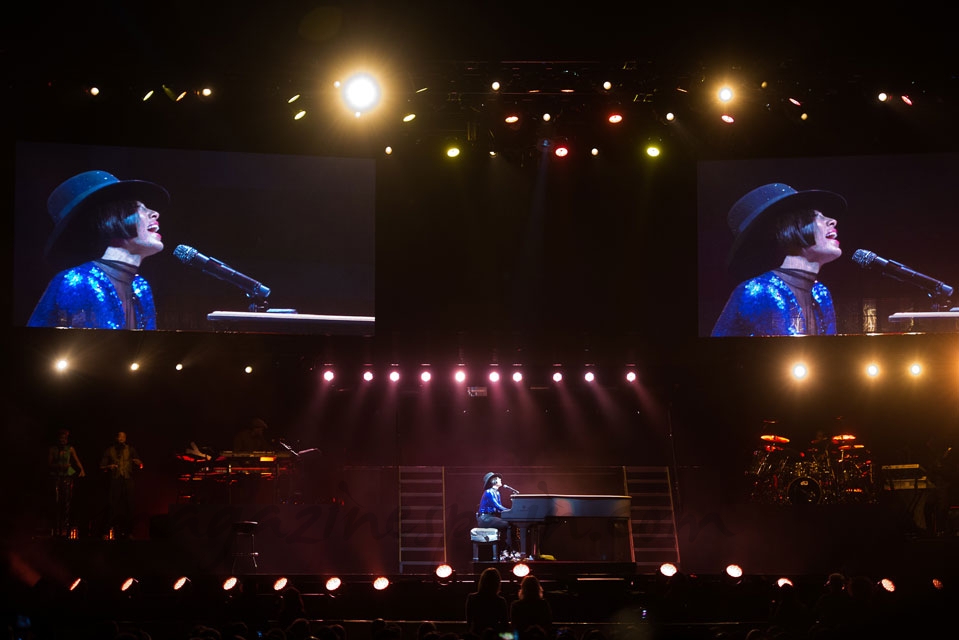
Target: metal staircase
(653, 517)
(422, 519)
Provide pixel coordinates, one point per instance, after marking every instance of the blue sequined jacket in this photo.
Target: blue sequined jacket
(766, 306)
(83, 297)
(490, 503)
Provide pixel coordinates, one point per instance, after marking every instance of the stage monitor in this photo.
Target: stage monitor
(897, 234)
(251, 242)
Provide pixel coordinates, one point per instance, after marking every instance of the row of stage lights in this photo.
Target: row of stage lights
(798, 370)
(445, 575)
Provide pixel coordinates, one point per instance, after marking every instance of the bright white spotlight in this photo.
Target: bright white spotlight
(361, 93)
(134, 366)
(426, 376)
(668, 569)
(630, 376)
(381, 583)
(334, 583)
(128, 584)
(557, 376)
(725, 94)
(444, 571)
(494, 376)
(517, 376)
(589, 376)
(460, 375)
(800, 371)
(180, 583)
(280, 583)
(782, 582)
(248, 369)
(394, 375)
(328, 375)
(61, 364)
(520, 569)
(367, 375)
(872, 370)
(915, 368)
(230, 583)
(734, 571)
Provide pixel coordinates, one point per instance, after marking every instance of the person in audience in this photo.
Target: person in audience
(253, 437)
(486, 608)
(103, 229)
(782, 238)
(531, 613)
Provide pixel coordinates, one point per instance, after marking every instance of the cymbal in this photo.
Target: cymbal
(843, 438)
(773, 438)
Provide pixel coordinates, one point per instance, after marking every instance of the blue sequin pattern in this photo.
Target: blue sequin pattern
(766, 306)
(83, 297)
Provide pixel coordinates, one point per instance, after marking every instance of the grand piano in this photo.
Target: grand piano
(573, 527)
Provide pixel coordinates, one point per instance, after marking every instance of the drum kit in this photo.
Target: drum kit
(834, 470)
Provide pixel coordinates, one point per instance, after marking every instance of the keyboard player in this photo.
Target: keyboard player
(490, 511)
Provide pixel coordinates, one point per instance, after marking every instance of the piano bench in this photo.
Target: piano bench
(487, 538)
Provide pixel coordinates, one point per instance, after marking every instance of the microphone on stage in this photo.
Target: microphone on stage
(897, 271)
(506, 486)
(215, 268)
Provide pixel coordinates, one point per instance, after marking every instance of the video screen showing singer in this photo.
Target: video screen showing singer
(103, 228)
(899, 207)
(782, 238)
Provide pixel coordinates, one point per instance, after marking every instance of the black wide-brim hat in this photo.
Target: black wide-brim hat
(750, 220)
(488, 478)
(69, 203)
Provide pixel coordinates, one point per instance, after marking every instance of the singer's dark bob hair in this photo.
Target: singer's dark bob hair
(795, 230)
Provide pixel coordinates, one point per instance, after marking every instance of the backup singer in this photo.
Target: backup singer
(119, 462)
(65, 467)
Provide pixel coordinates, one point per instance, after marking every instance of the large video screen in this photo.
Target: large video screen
(250, 242)
(887, 264)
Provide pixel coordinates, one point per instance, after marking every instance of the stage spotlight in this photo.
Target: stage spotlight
(61, 365)
(77, 585)
(394, 375)
(426, 376)
(328, 375)
(445, 574)
(494, 376)
(231, 583)
(734, 571)
(630, 376)
(360, 93)
(517, 376)
(872, 370)
(561, 150)
(557, 376)
(129, 586)
(800, 371)
(589, 376)
(332, 584)
(280, 583)
(520, 569)
(915, 369)
(888, 585)
(181, 583)
(460, 375)
(367, 376)
(381, 583)
(668, 569)
(781, 582)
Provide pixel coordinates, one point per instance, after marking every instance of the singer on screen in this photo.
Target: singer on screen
(781, 239)
(103, 229)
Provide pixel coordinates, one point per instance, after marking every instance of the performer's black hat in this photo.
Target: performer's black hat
(72, 199)
(489, 478)
(750, 219)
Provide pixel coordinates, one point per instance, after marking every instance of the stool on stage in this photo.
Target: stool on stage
(487, 538)
(244, 553)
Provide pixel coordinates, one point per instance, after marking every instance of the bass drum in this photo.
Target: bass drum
(804, 490)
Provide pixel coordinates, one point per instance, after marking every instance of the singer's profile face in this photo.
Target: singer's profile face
(148, 240)
(496, 483)
(826, 248)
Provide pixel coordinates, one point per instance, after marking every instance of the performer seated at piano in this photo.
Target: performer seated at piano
(491, 508)
(252, 437)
